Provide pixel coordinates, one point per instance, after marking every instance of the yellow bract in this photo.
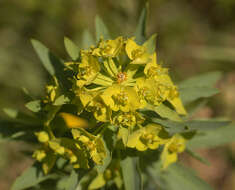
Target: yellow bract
(138, 54)
(93, 144)
(171, 149)
(146, 137)
(119, 97)
(109, 48)
(128, 119)
(87, 69)
(39, 155)
(42, 136)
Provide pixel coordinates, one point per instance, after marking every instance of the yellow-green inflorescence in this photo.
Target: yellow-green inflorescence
(112, 81)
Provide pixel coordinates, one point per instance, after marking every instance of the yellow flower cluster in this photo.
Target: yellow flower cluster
(78, 151)
(118, 77)
(113, 81)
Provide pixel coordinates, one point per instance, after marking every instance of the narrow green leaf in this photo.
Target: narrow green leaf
(87, 39)
(109, 142)
(171, 127)
(190, 94)
(20, 117)
(98, 182)
(197, 157)
(61, 100)
(131, 176)
(150, 44)
(188, 126)
(203, 80)
(205, 125)
(51, 63)
(71, 48)
(72, 181)
(12, 113)
(177, 177)
(213, 138)
(140, 32)
(34, 106)
(30, 177)
(44, 56)
(166, 112)
(101, 29)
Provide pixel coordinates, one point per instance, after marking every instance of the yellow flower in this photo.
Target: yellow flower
(109, 48)
(137, 54)
(87, 69)
(171, 149)
(165, 87)
(93, 144)
(146, 137)
(39, 155)
(52, 92)
(119, 97)
(128, 119)
(42, 136)
(56, 147)
(99, 109)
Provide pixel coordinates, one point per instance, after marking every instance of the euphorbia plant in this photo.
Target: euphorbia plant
(112, 118)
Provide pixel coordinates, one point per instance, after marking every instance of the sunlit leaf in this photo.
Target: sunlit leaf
(131, 175)
(87, 39)
(71, 48)
(177, 177)
(34, 106)
(72, 181)
(31, 177)
(203, 80)
(213, 138)
(101, 29)
(140, 32)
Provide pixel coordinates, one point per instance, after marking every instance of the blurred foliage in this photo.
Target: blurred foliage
(193, 37)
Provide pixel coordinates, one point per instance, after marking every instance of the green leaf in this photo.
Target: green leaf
(213, 138)
(31, 177)
(173, 127)
(51, 63)
(197, 157)
(201, 86)
(205, 125)
(34, 106)
(177, 177)
(140, 32)
(150, 44)
(165, 112)
(98, 182)
(44, 56)
(61, 100)
(203, 80)
(20, 117)
(72, 181)
(131, 175)
(190, 94)
(101, 29)
(87, 39)
(109, 143)
(71, 48)
(124, 133)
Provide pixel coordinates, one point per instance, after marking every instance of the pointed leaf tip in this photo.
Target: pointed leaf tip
(71, 48)
(101, 29)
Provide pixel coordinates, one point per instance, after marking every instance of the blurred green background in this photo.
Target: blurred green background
(193, 37)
